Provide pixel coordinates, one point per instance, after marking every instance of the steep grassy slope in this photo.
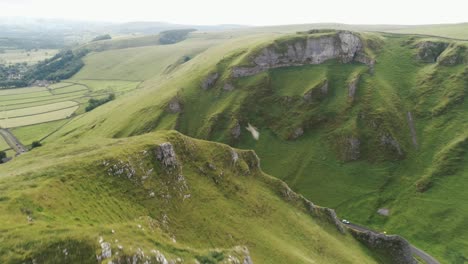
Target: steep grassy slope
(389, 134)
(117, 198)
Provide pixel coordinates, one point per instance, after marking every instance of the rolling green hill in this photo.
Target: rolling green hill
(127, 198)
(353, 121)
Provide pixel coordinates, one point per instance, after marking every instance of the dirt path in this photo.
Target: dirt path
(12, 141)
(416, 251)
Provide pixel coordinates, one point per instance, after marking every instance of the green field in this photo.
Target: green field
(38, 118)
(35, 105)
(29, 57)
(3, 144)
(416, 170)
(28, 134)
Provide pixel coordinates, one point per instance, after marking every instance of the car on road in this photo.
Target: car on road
(344, 221)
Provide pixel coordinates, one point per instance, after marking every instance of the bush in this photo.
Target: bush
(102, 37)
(2, 156)
(93, 103)
(36, 144)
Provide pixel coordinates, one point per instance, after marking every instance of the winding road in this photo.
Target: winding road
(12, 141)
(416, 251)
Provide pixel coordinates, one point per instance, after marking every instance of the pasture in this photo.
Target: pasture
(29, 57)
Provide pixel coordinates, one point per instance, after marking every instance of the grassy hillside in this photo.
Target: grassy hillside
(399, 163)
(398, 141)
(114, 198)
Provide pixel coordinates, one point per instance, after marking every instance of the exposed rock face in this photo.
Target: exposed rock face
(317, 92)
(166, 154)
(353, 151)
(384, 211)
(396, 248)
(324, 213)
(344, 46)
(352, 86)
(210, 80)
(174, 106)
(388, 140)
(429, 51)
(228, 87)
(454, 55)
(236, 130)
(412, 129)
(297, 133)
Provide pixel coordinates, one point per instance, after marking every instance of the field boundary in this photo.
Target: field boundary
(51, 111)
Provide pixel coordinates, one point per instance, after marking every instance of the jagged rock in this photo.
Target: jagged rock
(248, 260)
(345, 46)
(228, 87)
(396, 248)
(166, 154)
(388, 140)
(317, 92)
(352, 86)
(174, 106)
(297, 133)
(429, 51)
(384, 211)
(106, 250)
(210, 80)
(236, 130)
(454, 55)
(234, 156)
(414, 138)
(353, 151)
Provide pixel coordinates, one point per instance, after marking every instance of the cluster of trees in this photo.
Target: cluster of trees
(174, 36)
(16, 70)
(93, 103)
(102, 37)
(62, 66)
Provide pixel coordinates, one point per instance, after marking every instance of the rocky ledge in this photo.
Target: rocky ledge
(345, 46)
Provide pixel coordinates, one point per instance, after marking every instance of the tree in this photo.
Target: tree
(36, 144)
(2, 156)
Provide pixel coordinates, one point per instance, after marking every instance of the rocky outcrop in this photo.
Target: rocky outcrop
(352, 86)
(383, 211)
(453, 55)
(228, 87)
(318, 92)
(414, 138)
(166, 155)
(236, 130)
(353, 150)
(429, 51)
(210, 80)
(394, 248)
(174, 106)
(388, 141)
(344, 45)
(297, 133)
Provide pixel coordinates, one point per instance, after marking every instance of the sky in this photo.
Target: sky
(245, 12)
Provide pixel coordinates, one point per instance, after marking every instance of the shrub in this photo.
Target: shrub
(36, 144)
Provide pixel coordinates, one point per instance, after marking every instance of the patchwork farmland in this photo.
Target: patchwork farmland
(33, 113)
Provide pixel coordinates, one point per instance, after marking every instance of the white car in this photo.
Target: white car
(344, 221)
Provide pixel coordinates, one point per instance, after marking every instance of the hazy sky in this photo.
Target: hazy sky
(248, 12)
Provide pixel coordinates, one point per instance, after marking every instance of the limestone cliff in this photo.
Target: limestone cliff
(344, 46)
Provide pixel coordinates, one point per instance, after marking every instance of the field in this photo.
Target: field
(36, 105)
(315, 163)
(3, 144)
(30, 57)
(28, 134)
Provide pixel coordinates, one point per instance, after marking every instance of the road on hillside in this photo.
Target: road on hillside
(416, 251)
(12, 141)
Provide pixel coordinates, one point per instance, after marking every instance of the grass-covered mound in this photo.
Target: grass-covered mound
(353, 136)
(162, 195)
